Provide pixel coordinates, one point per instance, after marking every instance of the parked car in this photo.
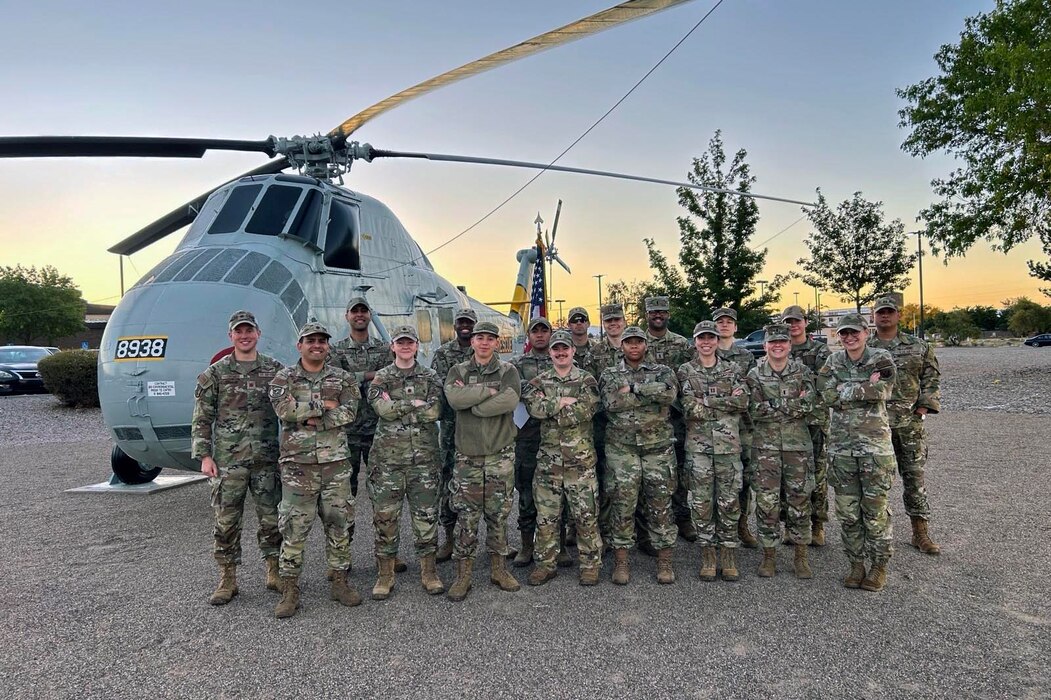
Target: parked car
(1039, 341)
(753, 343)
(18, 368)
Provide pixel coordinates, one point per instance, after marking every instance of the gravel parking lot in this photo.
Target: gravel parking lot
(105, 595)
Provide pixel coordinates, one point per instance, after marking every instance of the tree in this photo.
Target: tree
(853, 253)
(715, 265)
(985, 317)
(910, 315)
(38, 304)
(1028, 318)
(989, 108)
(632, 296)
(954, 326)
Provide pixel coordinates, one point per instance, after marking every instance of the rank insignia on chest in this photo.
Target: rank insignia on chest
(660, 355)
(251, 385)
(472, 380)
(410, 390)
(785, 391)
(712, 391)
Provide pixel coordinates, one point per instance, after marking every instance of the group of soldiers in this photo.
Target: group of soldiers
(634, 439)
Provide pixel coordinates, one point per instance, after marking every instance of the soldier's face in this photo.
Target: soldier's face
(484, 345)
(706, 344)
(726, 326)
(405, 348)
(853, 341)
(313, 348)
(658, 320)
(777, 349)
(887, 319)
(578, 326)
(634, 349)
(245, 337)
(359, 317)
(796, 328)
(464, 327)
(614, 327)
(562, 356)
(540, 337)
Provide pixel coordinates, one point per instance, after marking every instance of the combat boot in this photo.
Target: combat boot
(589, 575)
(499, 575)
(429, 576)
(384, 578)
(542, 574)
(876, 579)
(768, 567)
(687, 531)
(621, 569)
(921, 540)
(400, 566)
(728, 564)
(856, 575)
(817, 536)
(343, 591)
(273, 578)
(665, 573)
(462, 585)
(227, 588)
(289, 603)
(744, 534)
(708, 566)
(800, 563)
(525, 554)
(445, 552)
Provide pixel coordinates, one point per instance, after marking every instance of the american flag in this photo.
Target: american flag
(538, 295)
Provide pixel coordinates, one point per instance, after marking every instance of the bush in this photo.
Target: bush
(72, 376)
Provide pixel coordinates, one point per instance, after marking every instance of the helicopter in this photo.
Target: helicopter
(290, 246)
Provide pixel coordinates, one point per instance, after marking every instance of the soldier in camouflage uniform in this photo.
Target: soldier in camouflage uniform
(315, 402)
(713, 397)
(452, 353)
(484, 392)
(564, 399)
(234, 435)
(813, 354)
(583, 346)
(781, 398)
(605, 353)
(405, 462)
(856, 383)
(637, 396)
(915, 396)
(529, 364)
(726, 323)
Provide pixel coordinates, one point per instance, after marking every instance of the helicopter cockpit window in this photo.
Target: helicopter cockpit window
(306, 223)
(235, 209)
(341, 239)
(274, 209)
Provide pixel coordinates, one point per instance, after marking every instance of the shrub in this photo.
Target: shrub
(72, 376)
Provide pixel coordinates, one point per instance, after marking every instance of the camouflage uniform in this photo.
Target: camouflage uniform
(639, 449)
(314, 466)
(916, 387)
(566, 465)
(405, 457)
(449, 354)
(672, 350)
(780, 404)
(603, 356)
(813, 355)
(483, 478)
(745, 361)
(527, 444)
(860, 450)
(234, 424)
(713, 447)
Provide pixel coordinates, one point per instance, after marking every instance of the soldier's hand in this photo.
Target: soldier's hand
(566, 401)
(737, 392)
(874, 377)
(208, 467)
(493, 391)
(626, 389)
(386, 396)
(331, 404)
(312, 422)
(458, 383)
(920, 411)
(419, 403)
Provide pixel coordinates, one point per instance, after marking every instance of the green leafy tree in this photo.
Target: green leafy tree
(715, 265)
(38, 305)
(910, 316)
(632, 295)
(985, 317)
(954, 326)
(1026, 317)
(853, 252)
(990, 108)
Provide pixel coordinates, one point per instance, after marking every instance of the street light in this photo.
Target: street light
(601, 332)
(919, 259)
(561, 322)
(797, 298)
(762, 288)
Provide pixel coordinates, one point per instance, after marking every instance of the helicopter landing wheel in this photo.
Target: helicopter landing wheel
(129, 470)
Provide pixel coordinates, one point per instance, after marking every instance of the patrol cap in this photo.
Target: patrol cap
(579, 311)
(466, 313)
(486, 327)
(313, 328)
(705, 328)
(657, 304)
(404, 332)
(633, 332)
(855, 322)
(776, 331)
(561, 338)
(719, 313)
(611, 311)
(795, 312)
(539, 321)
(885, 303)
(358, 301)
(243, 316)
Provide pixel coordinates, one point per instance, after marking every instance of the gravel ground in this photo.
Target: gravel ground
(105, 595)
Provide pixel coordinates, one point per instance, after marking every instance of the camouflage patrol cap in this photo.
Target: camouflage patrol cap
(486, 327)
(705, 328)
(885, 303)
(795, 312)
(611, 311)
(776, 331)
(404, 332)
(855, 322)
(561, 338)
(719, 313)
(470, 314)
(539, 321)
(313, 328)
(243, 316)
(358, 301)
(579, 311)
(633, 332)
(657, 304)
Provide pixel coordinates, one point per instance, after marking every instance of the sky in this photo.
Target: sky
(808, 88)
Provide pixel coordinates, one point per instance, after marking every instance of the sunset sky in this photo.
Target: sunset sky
(806, 87)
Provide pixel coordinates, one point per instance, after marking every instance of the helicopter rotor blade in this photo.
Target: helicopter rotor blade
(598, 22)
(122, 146)
(560, 261)
(554, 226)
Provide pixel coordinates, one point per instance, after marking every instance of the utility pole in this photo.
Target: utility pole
(601, 331)
(797, 298)
(919, 259)
(817, 310)
(561, 321)
(762, 288)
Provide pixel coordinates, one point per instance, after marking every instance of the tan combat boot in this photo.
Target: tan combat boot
(921, 540)
(384, 578)
(462, 585)
(744, 534)
(542, 574)
(728, 564)
(876, 579)
(665, 573)
(429, 576)
(817, 535)
(800, 563)
(856, 575)
(768, 567)
(445, 552)
(289, 603)
(708, 566)
(589, 575)
(525, 554)
(273, 578)
(621, 569)
(342, 591)
(227, 588)
(499, 575)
